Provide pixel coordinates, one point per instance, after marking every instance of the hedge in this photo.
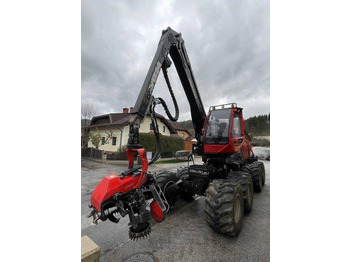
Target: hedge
(168, 144)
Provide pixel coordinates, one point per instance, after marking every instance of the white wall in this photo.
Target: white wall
(145, 126)
(107, 146)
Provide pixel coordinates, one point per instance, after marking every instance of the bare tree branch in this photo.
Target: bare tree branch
(109, 136)
(88, 110)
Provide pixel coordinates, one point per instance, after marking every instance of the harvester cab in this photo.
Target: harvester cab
(224, 132)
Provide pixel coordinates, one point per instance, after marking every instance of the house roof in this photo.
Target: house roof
(122, 119)
(190, 138)
(85, 122)
(183, 130)
(180, 128)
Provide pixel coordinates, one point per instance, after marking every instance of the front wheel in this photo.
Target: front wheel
(224, 206)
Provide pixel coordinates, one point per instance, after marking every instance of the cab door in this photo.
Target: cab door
(237, 132)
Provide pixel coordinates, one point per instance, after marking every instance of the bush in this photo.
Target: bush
(168, 144)
(260, 142)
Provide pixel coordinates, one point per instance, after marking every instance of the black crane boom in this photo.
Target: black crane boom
(171, 43)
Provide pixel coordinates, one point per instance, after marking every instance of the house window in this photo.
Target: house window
(163, 128)
(103, 140)
(151, 126)
(114, 141)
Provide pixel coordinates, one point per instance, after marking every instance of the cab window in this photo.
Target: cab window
(236, 127)
(217, 130)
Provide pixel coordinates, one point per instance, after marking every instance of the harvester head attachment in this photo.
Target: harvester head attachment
(141, 230)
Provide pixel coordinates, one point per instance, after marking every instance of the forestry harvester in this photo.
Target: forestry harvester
(228, 177)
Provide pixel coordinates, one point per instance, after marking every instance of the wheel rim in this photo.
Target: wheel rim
(238, 208)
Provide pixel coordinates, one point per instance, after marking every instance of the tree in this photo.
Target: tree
(96, 138)
(258, 125)
(87, 112)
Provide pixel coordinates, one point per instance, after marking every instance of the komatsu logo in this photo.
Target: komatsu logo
(154, 77)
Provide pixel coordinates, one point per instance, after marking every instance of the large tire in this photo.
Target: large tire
(261, 167)
(165, 179)
(185, 193)
(246, 182)
(224, 206)
(257, 177)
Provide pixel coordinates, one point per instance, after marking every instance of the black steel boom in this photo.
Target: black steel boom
(171, 43)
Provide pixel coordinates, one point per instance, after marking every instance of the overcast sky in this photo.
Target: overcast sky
(228, 43)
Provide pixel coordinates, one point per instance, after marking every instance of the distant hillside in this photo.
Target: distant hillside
(256, 125)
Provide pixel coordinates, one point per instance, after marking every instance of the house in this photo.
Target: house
(186, 135)
(182, 132)
(189, 142)
(114, 129)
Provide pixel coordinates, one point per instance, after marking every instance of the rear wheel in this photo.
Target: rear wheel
(257, 177)
(165, 180)
(224, 205)
(261, 167)
(247, 188)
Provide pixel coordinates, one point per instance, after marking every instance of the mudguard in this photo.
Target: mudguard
(157, 212)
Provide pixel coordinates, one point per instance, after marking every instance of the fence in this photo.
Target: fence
(98, 154)
(117, 156)
(91, 153)
(122, 156)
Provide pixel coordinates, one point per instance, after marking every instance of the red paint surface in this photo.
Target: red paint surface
(233, 145)
(113, 183)
(157, 212)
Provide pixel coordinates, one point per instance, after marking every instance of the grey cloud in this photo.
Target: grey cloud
(227, 42)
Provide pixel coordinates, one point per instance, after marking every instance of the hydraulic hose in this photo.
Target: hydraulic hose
(156, 133)
(161, 100)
